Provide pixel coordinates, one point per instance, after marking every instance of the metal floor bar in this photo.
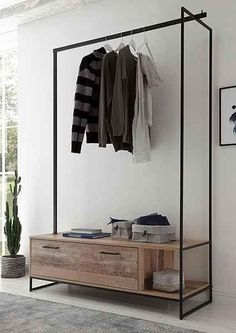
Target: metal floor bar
(195, 246)
(31, 288)
(195, 309)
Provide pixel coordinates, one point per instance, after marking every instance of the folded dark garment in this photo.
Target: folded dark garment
(153, 219)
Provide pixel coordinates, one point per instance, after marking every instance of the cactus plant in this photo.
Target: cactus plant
(12, 228)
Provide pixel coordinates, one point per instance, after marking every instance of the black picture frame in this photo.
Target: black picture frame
(222, 140)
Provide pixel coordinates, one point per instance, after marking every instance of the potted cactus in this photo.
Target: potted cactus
(13, 265)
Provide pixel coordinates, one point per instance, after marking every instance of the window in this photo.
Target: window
(8, 131)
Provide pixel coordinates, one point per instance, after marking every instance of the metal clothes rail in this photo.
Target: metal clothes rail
(182, 21)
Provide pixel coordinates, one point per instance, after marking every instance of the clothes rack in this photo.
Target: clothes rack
(186, 16)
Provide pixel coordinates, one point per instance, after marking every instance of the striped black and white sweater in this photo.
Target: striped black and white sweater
(87, 100)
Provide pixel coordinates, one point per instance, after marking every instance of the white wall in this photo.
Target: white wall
(100, 183)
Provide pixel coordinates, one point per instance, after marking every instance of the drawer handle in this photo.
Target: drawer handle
(110, 253)
(51, 247)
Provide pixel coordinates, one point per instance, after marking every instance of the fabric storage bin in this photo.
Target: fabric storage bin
(122, 229)
(153, 234)
(167, 280)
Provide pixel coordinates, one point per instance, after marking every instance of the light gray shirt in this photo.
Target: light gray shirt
(146, 78)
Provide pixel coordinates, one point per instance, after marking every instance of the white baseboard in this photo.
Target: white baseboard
(224, 296)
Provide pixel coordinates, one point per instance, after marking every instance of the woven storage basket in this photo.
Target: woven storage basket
(122, 229)
(167, 280)
(153, 234)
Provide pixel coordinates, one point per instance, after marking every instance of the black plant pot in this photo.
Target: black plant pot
(12, 267)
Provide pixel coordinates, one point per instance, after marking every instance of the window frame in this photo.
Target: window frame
(4, 126)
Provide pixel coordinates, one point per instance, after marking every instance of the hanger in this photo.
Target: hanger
(145, 43)
(132, 42)
(121, 45)
(107, 46)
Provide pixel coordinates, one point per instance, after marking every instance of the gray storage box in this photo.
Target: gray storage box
(167, 280)
(122, 229)
(153, 234)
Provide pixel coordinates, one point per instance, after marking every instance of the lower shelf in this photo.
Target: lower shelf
(192, 288)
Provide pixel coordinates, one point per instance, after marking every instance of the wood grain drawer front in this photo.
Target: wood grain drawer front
(93, 264)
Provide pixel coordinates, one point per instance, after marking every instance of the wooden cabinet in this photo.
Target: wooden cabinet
(110, 266)
(106, 263)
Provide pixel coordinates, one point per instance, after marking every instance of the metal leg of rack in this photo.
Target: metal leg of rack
(31, 288)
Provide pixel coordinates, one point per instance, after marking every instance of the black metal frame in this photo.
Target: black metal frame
(182, 114)
(181, 21)
(220, 132)
(31, 288)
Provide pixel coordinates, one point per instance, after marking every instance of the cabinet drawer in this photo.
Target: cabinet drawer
(109, 266)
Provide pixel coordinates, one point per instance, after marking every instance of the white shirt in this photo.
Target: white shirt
(146, 78)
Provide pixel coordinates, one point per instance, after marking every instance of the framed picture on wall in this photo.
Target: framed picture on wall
(227, 117)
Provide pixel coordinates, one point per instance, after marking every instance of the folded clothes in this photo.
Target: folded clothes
(152, 219)
(112, 220)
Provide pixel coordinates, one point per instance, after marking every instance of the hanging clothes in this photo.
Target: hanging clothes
(146, 78)
(105, 107)
(86, 105)
(124, 95)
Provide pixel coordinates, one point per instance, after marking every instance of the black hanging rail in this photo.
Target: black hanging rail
(184, 19)
(131, 32)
